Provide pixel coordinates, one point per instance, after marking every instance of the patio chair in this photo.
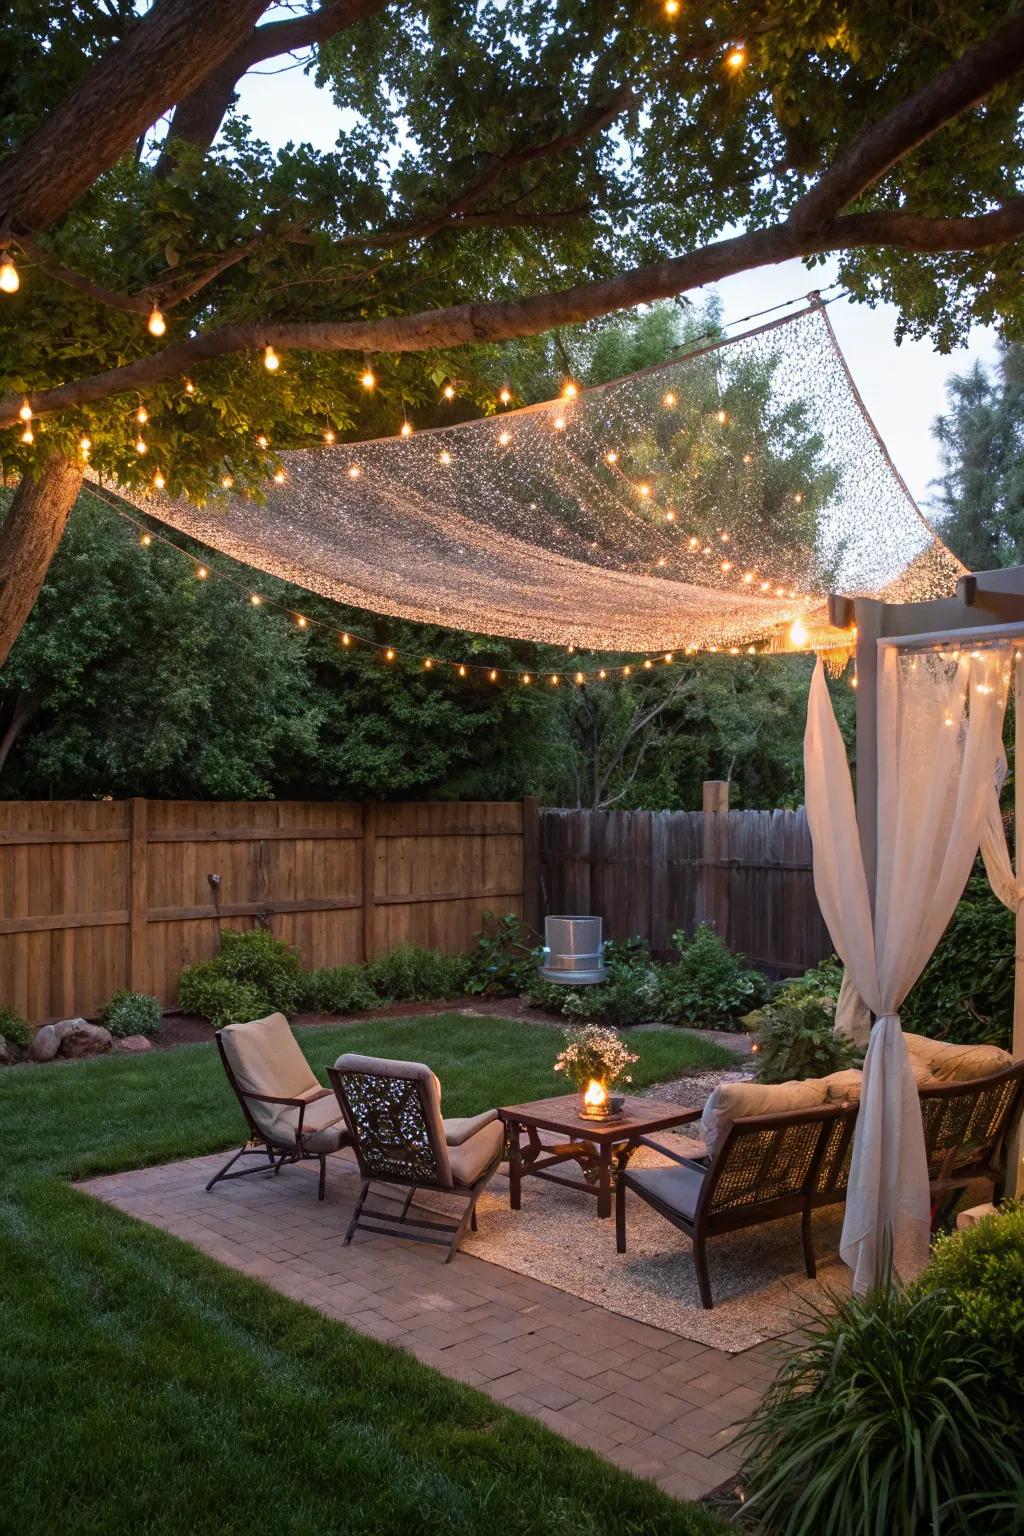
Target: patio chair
(393, 1113)
(767, 1166)
(289, 1114)
(967, 1128)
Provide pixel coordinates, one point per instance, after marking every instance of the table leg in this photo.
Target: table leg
(604, 1179)
(515, 1166)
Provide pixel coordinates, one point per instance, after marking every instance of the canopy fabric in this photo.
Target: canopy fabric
(703, 504)
(939, 741)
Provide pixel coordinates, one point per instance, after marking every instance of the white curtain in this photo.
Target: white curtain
(939, 738)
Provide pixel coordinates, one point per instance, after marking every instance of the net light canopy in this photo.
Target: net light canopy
(711, 502)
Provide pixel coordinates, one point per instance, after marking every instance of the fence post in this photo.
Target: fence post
(138, 895)
(714, 880)
(531, 862)
(369, 881)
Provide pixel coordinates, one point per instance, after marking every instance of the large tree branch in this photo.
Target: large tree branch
(165, 54)
(966, 82)
(464, 324)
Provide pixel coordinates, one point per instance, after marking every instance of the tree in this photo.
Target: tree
(510, 170)
(980, 500)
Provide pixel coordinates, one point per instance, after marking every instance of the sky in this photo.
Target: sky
(904, 387)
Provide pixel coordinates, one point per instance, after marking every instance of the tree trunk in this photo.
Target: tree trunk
(24, 710)
(28, 541)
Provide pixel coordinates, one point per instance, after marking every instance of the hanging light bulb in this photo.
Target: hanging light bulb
(449, 392)
(158, 481)
(28, 436)
(672, 7)
(346, 639)
(279, 477)
(505, 395)
(670, 517)
(145, 539)
(10, 282)
(570, 390)
(462, 670)
(301, 620)
(559, 423)
(648, 664)
(190, 388)
(201, 573)
(368, 379)
(553, 679)
(736, 57)
(798, 634)
(142, 415)
(668, 400)
(330, 435)
(389, 654)
(602, 674)
(526, 677)
(644, 490)
(271, 361)
(25, 411)
(156, 325)
(141, 446)
(493, 675)
(444, 457)
(85, 445)
(354, 471)
(406, 429)
(262, 440)
(611, 457)
(504, 438)
(227, 481)
(255, 599)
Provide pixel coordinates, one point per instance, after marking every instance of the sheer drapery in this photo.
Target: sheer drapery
(939, 739)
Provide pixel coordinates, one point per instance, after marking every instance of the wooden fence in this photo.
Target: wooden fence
(748, 873)
(96, 895)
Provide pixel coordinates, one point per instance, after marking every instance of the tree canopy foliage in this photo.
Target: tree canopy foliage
(980, 500)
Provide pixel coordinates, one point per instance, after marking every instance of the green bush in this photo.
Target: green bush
(505, 960)
(204, 989)
(259, 960)
(708, 985)
(795, 1040)
(540, 993)
(409, 974)
(339, 989)
(965, 992)
(981, 1270)
(888, 1421)
(132, 1013)
(631, 995)
(820, 985)
(13, 1027)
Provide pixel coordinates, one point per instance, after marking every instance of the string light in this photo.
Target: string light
(201, 573)
(227, 481)
(25, 411)
(444, 457)
(493, 675)
(611, 457)
(190, 388)
(354, 471)
(428, 665)
(368, 379)
(553, 679)
(644, 490)
(505, 395)
(569, 390)
(798, 634)
(461, 670)
(329, 435)
(736, 57)
(559, 423)
(526, 677)
(28, 436)
(85, 445)
(389, 654)
(346, 640)
(271, 361)
(504, 438)
(145, 539)
(262, 440)
(156, 325)
(142, 415)
(158, 481)
(279, 477)
(10, 282)
(301, 620)
(407, 428)
(449, 392)
(141, 446)
(580, 678)
(668, 400)
(672, 7)
(255, 599)
(721, 416)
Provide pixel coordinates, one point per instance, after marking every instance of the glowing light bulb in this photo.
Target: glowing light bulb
(262, 440)
(526, 677)
(724, 538)
(190, 388)
(201, 573)
(748, 577)
(736, 57)
(579, 677)
(279, 477)
(672, 7)
(504, 438)
(301, 620)
(271, 361)
(354, 471)
(559, 423)
(669, 657)
(493, 675)
(145, 539)
(626, 671)
(255, 599)
(227, 481)
(346, 639)
(693, 542)
(389, 654)
(721, 417)
(726, 565)
(142, 415)
(611, 457)
(648, 664)
(569, 390)
(668, 400)
(748, 458)
(462, 670)
(158, 481)
(368, 379)
(670, 517)
(798, 497)
(85, 445)
(449, 392)
(602, 674)
(10, 282)
(25, 411)
(329, 435)
(444, 457)
(661, 560)
(141, 446)
(28, 436)
(505, 395)
(428, 664)
(797, 634)
(156, 325)
(644, 490)
(765, 586)
(407, 429)
(553, 679)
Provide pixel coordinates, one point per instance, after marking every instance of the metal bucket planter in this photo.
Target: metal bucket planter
(573, 951)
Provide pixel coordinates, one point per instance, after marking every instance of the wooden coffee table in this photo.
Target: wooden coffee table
(597, 1147)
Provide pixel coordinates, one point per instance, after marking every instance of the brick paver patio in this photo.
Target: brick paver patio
(661, 1406)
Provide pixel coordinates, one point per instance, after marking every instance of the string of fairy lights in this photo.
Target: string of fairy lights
(389, 653)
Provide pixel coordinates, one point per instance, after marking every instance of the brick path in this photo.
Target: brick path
(659, 1405)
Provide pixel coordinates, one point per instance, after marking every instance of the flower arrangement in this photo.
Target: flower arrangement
(593, 1054)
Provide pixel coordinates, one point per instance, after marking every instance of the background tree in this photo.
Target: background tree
(980, 501)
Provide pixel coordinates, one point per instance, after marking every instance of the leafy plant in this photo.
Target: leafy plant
(965, 992)
(708, 985)
(269, 965)
(506, 957)
(590, 1053)
(338, 989)
(132, 1013)
(820, 985)
(631, 995)
(887, 1421)
(981, 1270)
(411, 974)
(795, 1040)
(14, 1028)
(551, 995)
(205, 990)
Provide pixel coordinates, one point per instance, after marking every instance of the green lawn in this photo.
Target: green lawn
(146, 1389)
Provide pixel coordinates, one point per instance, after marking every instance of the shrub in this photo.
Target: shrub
(205, 990)
(708, 985)
(414, 975)
(981, 1271)
(506, 957)
(631, 995)
(888, 1420)
(539, 993)
(14, 1029)
(819, 985)
(965, 992)
(796, 1040)
(132, 1013)
(267, 964)
(338, 989)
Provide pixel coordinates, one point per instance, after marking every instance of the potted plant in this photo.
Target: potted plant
(595, 1059)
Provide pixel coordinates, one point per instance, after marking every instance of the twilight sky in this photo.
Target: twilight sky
(903, 386)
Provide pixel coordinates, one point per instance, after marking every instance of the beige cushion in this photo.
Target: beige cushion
(949, 1063)
(470, 1158)
(736, 1101)
(323, 1128)
(843, 1087)
(429, 1092)
(265, 1057)
(458, 1129)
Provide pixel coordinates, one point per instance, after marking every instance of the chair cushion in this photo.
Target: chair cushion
(459, 1128)
(736, 1101)
(431, 1127)
(323, 1127)
(949, 1063)
(265, 1057)
(843, 1087)
(678, 1188)
(469, 1158)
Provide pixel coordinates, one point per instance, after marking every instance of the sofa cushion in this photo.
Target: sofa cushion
(470, 1158)
(459, 1128)
(323, 1126)
(265, 1057)
(737, 1101)
(949, 1063)
(843, 1087)
(678, 1188)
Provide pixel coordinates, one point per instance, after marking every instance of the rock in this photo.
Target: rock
(86, 1040)
(46, 1042)
(134, 1044)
